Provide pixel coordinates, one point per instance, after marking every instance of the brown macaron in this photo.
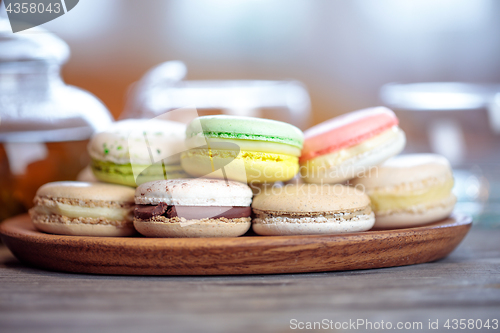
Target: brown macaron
(84, 209)
(192, 208)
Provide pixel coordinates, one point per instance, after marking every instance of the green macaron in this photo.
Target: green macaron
(242, 148)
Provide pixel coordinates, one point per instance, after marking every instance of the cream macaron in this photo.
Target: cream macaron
(410, 190)
(308, 209)
(193, 208)
(84, 209)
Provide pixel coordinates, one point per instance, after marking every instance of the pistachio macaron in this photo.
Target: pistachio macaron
(134, 151)
(84, 209)
(410, 190)
(308, 209)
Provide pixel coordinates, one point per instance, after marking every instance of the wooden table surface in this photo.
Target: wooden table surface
(465, 285)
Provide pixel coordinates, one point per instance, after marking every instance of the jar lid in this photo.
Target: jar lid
(35, 104)
(38, 44)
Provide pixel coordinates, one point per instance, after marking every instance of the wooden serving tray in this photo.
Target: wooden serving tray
(223, 256)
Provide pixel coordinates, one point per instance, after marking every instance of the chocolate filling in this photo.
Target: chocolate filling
(146, 212)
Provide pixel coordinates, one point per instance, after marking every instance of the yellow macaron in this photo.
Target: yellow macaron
(409, 190)
(242, 148)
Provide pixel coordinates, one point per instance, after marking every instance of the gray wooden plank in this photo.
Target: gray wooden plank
(464, 285)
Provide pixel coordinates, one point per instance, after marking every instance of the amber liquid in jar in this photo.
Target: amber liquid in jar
(64, 161)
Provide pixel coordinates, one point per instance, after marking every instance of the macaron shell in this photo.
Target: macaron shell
(306, 198)
(87, 191)
(407, 169)
(86, 175)
(194, 192)
(330, 172)
(275, 227)
(245, 128)
(84, 229)
(346, 130)
(193, 228)
(165, 140)
(411, 218)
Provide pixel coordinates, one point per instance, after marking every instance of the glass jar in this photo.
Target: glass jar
(45, 124)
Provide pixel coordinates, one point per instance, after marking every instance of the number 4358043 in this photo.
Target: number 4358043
(33, 8)
(471, 324)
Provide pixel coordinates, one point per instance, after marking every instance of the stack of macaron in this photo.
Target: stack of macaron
(214, 178)
(359, 147)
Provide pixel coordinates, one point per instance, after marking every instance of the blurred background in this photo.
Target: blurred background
(343, 51)
(347, 54)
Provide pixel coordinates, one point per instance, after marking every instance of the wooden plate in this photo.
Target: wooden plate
(242, 255)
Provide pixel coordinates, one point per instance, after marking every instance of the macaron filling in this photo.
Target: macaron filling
(82, 209)
(122, 173)
(116, 214)
(146, 212)
(243, 136)
(301, 217)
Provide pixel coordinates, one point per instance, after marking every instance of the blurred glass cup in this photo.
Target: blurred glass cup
(162, 89)
(460, 121)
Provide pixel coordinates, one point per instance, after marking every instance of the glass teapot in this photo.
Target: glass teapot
(44, 123)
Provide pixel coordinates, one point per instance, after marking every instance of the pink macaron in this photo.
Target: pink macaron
(349, 145)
